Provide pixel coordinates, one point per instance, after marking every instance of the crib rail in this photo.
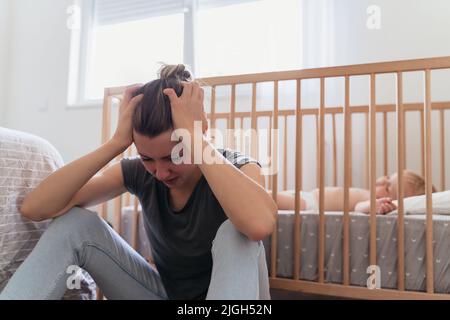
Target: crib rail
(398, 68)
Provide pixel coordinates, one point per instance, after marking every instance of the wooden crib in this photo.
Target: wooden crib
(233, 117)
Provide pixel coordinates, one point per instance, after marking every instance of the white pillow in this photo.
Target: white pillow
(417, 204)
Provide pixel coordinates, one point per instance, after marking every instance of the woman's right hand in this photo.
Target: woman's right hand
(124, 131)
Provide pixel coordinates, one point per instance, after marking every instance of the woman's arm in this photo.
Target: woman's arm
(57, 190)
(241, 194)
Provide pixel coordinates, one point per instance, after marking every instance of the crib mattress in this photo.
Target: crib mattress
(415, 257)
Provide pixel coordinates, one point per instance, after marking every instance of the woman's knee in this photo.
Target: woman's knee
(76, 220)
(230, 238)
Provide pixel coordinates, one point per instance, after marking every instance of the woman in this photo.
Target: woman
(200, 218)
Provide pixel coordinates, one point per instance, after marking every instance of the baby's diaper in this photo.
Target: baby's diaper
(310, 200)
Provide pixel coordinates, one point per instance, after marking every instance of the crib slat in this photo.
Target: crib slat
(241, 135)
(373, 172)
(400, 187)
(428, 181)
(118, 214)
(333, 116)
(269, 147)
(367, 155)
(128, 195)
(321, 166)
(329, 72)
(106, 125)
(314, 111)
(118, 204)
(135, 226)
(442, 127)
(385, 144)
(347, 179)
(422, 143)
(317, 147)
(254, 136)
(106, 131)
(134, 229)
(298, 182)
(285, 164)
(213, 109)
(231, 123)
(274, 165)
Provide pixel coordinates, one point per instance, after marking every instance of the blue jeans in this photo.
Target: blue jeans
(81, 238)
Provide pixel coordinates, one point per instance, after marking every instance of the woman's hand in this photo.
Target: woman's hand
(124, 131)
(187, 108)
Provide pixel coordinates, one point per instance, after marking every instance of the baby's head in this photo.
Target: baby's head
(413, 185)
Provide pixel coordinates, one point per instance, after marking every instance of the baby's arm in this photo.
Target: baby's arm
(383, 206)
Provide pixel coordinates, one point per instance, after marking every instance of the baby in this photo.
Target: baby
(359, 199)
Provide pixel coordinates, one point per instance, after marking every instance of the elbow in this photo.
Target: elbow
(264, 229)
(29, 214)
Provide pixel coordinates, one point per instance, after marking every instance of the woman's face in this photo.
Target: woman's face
(156, 153)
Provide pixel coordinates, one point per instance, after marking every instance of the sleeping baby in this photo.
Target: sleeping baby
(359, 199)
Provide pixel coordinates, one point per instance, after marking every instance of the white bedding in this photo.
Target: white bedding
(25, 160)
(417, 205)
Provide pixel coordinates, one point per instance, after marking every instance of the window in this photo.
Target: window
(124, 41)
(129, 52)
(251, 37)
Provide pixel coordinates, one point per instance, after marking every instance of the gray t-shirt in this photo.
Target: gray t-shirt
(181, 241)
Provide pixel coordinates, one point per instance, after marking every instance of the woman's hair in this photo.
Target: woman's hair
(417, 182)
(153, 114)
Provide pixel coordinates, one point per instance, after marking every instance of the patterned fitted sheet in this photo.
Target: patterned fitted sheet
(415, 257)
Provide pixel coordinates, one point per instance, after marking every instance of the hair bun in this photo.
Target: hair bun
(175, 71)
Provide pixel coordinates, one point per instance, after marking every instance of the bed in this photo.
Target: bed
(328, 253)
(26, 160)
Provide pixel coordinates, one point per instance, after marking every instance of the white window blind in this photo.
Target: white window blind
(117, 11)
(208, 4)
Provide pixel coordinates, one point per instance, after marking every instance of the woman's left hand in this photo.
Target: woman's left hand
(187, 108)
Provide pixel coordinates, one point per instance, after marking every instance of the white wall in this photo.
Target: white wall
(410, 29)
(39, 59)
(5, 23)
(39, 71)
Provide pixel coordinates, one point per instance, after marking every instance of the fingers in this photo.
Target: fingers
(135, 100)
(171, 94)
(129, 91)
(197, 91)
(187, 88)
(386, 207)
(385, 200)
(192, 89)
(201, 93)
